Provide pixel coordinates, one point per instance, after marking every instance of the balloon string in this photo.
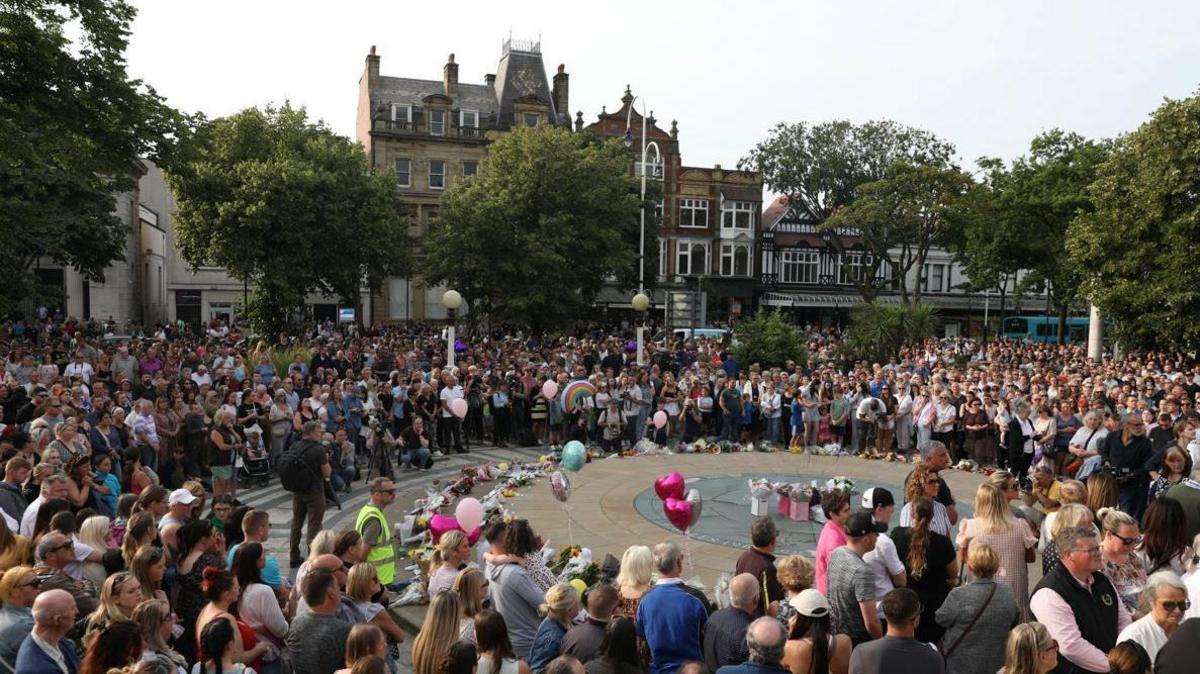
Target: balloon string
(570, 530)
(687, 548)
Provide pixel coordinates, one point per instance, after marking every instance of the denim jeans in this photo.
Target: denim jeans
(773, 429)
(418, 457)
(729, 427)
(341, 476)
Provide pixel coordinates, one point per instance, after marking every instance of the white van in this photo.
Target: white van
(719, 334)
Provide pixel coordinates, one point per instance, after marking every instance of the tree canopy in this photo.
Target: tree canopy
(1137, 247)
(73, 126)
(768, 339)
(289, 207)
(533, 236)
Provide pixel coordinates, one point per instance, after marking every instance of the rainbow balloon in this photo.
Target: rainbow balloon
(573, 394)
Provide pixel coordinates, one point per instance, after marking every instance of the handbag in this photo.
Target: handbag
(1073, 467)
(946, 653)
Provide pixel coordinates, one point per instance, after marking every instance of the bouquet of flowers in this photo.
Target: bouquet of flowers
(840, 483)
(760, 488)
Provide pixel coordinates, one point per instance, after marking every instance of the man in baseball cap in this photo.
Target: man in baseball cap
(852, 583)
(883, 561)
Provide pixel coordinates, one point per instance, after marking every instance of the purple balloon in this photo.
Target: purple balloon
(459, 346)
(631, 346)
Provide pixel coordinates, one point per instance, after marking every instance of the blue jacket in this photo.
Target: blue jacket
(31, 659)
(546, 644)
(671, 620)
(752, 668)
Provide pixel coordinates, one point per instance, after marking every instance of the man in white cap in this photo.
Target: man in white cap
(883, 561)
(179, 510)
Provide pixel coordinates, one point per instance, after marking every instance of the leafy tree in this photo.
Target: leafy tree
(877, 331)
(289, 207)
(768, 339)
(532, 237)
(73, 126)
(822, 168)
(902, 216)
(1137, 247)
(1034, 201)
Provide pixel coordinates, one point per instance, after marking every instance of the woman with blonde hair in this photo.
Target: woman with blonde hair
(633, 580)
(451, 553)
(561, 607)
(224, 443)
(363, 642)
(1012, 540)
(140, 532)
(1119, 538)
(1102, 492)
(362, 583)
(119, 596)
(1030, 650)
(94, 532)
(438, 632)
(973, 614)
(18, 588)
(14, 549)
(471, 586)
(149, 566)
(1069, 516)
(796, 574)
(322, 544)
(155, 618)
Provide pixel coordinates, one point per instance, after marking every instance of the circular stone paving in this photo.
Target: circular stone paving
(725, 517)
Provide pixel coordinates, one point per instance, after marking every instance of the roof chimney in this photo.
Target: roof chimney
(490, 79)
(372, 65)
(450, 77)
(559, 91)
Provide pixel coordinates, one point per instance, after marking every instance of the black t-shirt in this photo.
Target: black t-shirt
(313, 454)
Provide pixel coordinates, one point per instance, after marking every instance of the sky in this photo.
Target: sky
(986, 76)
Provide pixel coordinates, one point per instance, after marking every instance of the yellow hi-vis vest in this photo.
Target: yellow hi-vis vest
(382, 557)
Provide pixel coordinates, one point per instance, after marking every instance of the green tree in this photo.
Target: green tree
(532, 238)
(289, 207)
(1036, 199)
(768, 339)
(877, 331)
(1137, 247)
(902, 216)
(73, 126)
(822, 168)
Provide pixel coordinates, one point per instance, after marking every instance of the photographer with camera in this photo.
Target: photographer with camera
(1126, 454)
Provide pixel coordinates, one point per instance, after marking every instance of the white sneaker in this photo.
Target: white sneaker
(438, 454)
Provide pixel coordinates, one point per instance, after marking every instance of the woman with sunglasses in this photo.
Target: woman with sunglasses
(1030, 650)
(1167, 598)
(120, 594)
(1124, 568)
(158, 622)
(18, 588)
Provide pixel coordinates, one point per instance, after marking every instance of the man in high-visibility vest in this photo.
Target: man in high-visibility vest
(372, 525)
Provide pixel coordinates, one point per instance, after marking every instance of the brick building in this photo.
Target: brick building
(709, 223)
(433, 133)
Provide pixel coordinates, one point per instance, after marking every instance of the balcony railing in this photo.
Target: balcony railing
(469, 132)
(768, 280)
(418, 129)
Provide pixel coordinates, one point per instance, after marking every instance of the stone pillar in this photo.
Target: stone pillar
(1095, 342)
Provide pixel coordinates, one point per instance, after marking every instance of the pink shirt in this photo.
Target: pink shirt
(1052, 610)
(832, 538)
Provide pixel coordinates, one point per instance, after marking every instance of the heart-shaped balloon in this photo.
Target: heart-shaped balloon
(440, 524)
(693, 497)
(678, 512)
(669, 486)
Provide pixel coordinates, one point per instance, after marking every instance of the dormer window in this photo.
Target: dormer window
(532, 119)
(437, 122)
(468, 119)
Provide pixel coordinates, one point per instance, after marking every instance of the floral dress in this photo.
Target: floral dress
(191, 598)
(1129, 579)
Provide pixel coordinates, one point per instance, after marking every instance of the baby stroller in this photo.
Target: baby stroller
(253, 466)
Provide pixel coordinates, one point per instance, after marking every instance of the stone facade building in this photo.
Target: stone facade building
(434, 133)
(709, 219)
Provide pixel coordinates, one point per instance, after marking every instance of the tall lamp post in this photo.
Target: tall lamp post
(658, 155)
(452, 301)
(640, 304)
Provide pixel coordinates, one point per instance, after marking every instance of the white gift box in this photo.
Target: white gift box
(758, 506)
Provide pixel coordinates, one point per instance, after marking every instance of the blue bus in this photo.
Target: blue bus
(1044, 328)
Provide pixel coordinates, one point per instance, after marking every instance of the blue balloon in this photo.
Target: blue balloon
(574, 456)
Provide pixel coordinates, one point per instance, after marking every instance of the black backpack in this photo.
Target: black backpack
(294, 472)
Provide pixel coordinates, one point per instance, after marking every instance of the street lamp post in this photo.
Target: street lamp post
(640, 303)
(452, 301)
(658, 155)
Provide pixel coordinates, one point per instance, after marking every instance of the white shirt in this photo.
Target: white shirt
(771, 406)
(1147, 634)
(74, 568)
(13, 525)
(29, 517)
(884, 562)
(1192, 581)
(449, 394)
(82, 370)
(941, 519)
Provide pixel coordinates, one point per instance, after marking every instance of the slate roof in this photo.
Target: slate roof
(408, 91)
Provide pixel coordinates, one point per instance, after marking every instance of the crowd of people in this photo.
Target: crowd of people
(126, 546)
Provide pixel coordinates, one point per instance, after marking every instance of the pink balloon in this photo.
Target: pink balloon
(660, 419)
(669, 486)
(458, 407)
(469, 514)
(440, 524)
(549, 389)
(679, 512)
(473, 537)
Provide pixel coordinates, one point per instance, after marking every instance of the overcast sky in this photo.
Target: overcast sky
(987, 76)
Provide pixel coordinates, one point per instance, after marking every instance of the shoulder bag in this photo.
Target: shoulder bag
(946, 653)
